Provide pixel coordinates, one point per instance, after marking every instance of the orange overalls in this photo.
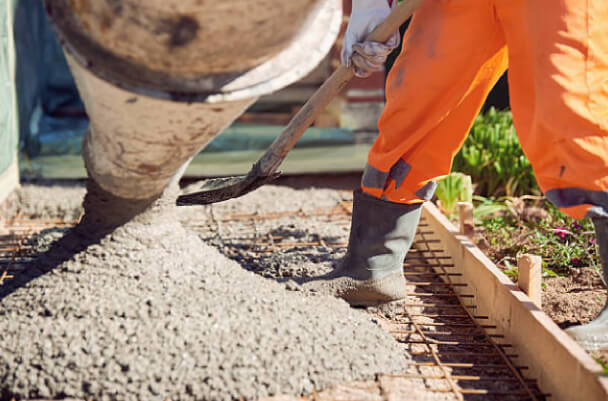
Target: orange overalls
(453, 54)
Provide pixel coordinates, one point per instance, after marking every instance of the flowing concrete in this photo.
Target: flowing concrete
(152, 312)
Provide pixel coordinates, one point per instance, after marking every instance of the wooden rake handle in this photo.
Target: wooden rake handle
(273, 157)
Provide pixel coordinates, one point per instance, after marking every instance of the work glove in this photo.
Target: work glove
(367, 56)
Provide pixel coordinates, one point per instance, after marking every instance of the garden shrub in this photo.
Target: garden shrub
(493, 157)
(454, 188)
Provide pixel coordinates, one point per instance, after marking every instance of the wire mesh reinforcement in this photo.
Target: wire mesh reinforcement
(455, 352)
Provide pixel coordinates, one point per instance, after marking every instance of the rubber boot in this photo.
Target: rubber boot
(594, 335)
(371, 272)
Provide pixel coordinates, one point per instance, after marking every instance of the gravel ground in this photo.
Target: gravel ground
(153, 312)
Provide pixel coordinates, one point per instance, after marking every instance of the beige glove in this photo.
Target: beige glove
(366, 56)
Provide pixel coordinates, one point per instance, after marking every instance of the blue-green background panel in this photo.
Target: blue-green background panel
(8, 132)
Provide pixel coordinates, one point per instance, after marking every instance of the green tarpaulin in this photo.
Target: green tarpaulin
(232, 152)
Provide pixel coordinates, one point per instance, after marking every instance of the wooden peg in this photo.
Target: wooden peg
(467, 224)
(529, 280)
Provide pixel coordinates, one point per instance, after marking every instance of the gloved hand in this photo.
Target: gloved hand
(366, 56)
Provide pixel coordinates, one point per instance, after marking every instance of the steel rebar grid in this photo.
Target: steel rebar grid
(441, 270)
(15, 252)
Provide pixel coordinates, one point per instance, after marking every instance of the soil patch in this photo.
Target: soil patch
(571, 295)
(575, 299)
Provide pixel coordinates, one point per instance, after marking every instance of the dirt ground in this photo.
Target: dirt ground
(575, 299)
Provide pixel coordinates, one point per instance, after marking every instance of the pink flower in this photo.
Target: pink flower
(562, 232)
(576, 226)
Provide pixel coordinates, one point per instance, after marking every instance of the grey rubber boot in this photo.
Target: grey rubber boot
(594, 335)
(371, 272)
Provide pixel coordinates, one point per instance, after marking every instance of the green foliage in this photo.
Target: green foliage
(511, 271)
(602, 364)
(551, 273)
(493, 158)
(456, 187)
(486, 207)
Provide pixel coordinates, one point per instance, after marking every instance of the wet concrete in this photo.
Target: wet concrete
(58, 201)
(150, 311)
(282, 232)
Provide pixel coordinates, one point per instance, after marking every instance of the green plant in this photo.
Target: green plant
(456, 187)
(487, 207)
(550, 273)
(493, 157)
(602, 364)
(511, 271)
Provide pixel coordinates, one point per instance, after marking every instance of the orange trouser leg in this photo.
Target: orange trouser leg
(454, 52)
(558, 73)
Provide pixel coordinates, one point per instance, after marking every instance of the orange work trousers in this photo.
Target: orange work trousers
(453, 54)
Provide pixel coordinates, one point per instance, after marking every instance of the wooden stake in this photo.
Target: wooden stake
(467, 224)
(530, 273)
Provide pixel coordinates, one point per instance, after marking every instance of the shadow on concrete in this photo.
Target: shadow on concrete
(74, 241)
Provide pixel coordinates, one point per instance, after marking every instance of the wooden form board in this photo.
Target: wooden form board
(9, 180)
(561, 367)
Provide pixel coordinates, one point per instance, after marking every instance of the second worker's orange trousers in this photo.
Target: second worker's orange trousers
(453, 54)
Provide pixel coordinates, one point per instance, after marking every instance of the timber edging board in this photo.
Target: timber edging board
(560, 365)
(9, 180)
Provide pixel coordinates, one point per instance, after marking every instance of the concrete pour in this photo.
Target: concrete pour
(152, 312)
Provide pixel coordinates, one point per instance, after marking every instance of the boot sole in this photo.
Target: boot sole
(376, 292)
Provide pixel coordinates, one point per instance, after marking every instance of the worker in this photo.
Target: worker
(453, 54)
